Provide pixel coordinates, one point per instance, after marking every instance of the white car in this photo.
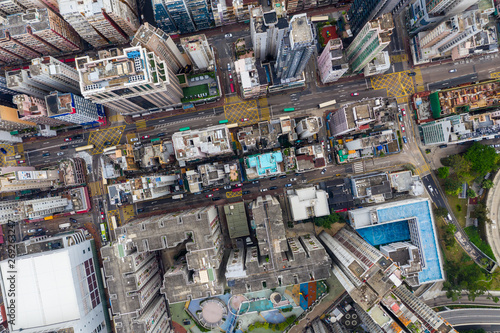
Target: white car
(228, 35)
(430, 188)
(263, 189)
(60, 153)
(452, 70)
(134, 139)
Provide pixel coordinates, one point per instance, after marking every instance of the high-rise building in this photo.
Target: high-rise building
(4, 89)
(102, 22)
(27, 178)
(55, 74)
(162, 17)
(74, 109)
(65, 297)
(129, 80)
(201, 13)
(157, 41)
(36, 33)
(308, 127)
(370, 41)
(180, 15)
(267, 31)
(10, 121)
(363, 11)
(34, 109)
(22, 82)
(199, 51)
(296, 48)
(332, 63)
(9, 7)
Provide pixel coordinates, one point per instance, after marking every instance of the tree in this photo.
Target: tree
(481, 212)
(461, 166)
(443, 172)
(464, 276)
(327, 221)
(487, 184)
(440, 211)
(471, 193)
(449, 235)
(483, 158)
(452, 185)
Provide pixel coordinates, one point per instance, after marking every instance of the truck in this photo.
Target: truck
(64, 225)
(178, 196)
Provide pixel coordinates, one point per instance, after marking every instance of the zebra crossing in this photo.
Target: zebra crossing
(358, 167)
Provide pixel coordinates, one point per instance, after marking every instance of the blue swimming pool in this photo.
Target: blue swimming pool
(386, 233)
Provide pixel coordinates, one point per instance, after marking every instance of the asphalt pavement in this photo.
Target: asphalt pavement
(483, 316)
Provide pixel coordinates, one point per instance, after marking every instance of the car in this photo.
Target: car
(31, 231)
(443, 146)
(102, 215)
(283, 176)
(39, 229)
(209, 195)
(298, 174)
(244, 119)
(330, 159)
(216, 198)
(245, 192)
(140, 210)
(355, 94)
(238, 185)
(430, 188)
(67, 139)
(263, 189)
(145, 137)
(403, 111)
(107, 143)
(3, 151)
(227, 187)
(273, 178)
(46, 154)
(400, 118)
(77, 137)
(288, 185)
(196, 193)
(60, 153)
(160, 134)
(228, 35)
(293, 179)
(21, 161)
(273, 188)
(72, 220)
(134, 139)
(229, 67)
(255, 182)
(215, 189)
(405, 140)
(323, 171)
(412, 73)
(402, 128)
(452, 70)
(63, 147)
(338, 175)
(206, 191)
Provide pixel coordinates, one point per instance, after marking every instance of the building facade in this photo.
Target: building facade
(332, 63)
(21, 81)
(267, 31)
(199, 51)
(14, 179)
(55, 74)
(74, 109)
(34, 109)
(10, 121)
(130, 81)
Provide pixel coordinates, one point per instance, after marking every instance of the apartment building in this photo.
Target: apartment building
(36, 33)
(162, 17)
(332, 63)
(129, 80)
(308, 127)
(22, 82)
(55, 74)
(160, 43)
(34, 109)
(10, 121)
(4, 89)
(73, 109)
(13, 179)
(102, 22)
(371, 40)
(252, 78)
(180, 15)
(199, 52)
(73, 171)
(267, 31)
(196, 145)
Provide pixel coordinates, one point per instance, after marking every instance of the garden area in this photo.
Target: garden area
(326, 31)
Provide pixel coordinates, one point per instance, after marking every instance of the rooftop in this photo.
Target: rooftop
(308, 202)
(198, 144)
(301, 30)
(236, 218)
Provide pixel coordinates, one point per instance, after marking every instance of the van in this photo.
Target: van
(17, 157)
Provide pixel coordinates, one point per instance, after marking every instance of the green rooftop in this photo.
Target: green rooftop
(236, 218)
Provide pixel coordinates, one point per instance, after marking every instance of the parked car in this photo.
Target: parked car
(46, 154)
(273, 188)
(288, 185)
(67, 139)
(31, 231)
(403, 111)
(209, 195)
(21, 161)
(283, 176)
(405, 140)
(402, 128)
(400, 118)
(60, 153)
(134, 139)
(263, 189)
(255, 182)
(355, 94)
(145, 137)
(227, 187)
(3, 151)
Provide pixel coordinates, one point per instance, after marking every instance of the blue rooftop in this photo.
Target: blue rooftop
(265, 163)
(393, 227)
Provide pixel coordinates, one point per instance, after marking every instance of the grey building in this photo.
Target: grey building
(267, 31)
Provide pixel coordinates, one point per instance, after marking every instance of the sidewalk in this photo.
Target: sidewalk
(492, 203)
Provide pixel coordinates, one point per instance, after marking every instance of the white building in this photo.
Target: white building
(308, 202)
(57, 283)
(331, 63)
(252, 78)
(199, 51)
(22, 82)
(25, 178)
(267, 31)
(129, 80)
(308, 127)
(54, 74)
(379, 65)
(6, 137)
(199, 144)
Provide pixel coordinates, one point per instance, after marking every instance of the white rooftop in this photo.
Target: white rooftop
(308, 202)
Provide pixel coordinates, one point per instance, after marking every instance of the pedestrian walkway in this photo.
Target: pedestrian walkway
(140, 124)
(127, 212)
(358, 167)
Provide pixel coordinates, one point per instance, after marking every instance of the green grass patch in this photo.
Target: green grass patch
(455, 203)
(474, 237)
(191, 93)
(182, 78)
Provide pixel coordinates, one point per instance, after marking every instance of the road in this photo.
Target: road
(481, 317)
(493, 204)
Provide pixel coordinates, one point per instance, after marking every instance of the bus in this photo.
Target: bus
(288, 109)
(225, 121)
(103, 233)
(232, 87)
(329, 103)
(315, 19)
(155, 140)
(113, 222)
(105, 150)
(82, 148)
(184, 129)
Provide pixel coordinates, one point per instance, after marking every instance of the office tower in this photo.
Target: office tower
(4, 89)
(296, 48)
(129, 80)
(332, 63)
(14, 179)
(74, 109)
(102, 22)
(180, 15)
(157, 41)
(63, 278)
(370, 41)
(363, 11)
(201, 14)
(162, 17)
(267, 31)
(199, 51)
(21, 81)
(55, 74)
(36, 33)
(9, 120)
(34, 109)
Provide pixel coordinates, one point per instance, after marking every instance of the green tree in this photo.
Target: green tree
(449, 235)
(452, 185)
(483, 158)
(443, 172)
(481, 212)
(461, 167)
(487, 184)
(471, 193)
(464, 276)
(440, 211)
(327, 221)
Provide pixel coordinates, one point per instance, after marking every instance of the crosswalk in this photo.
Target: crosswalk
(358, 167)
(140, 124)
